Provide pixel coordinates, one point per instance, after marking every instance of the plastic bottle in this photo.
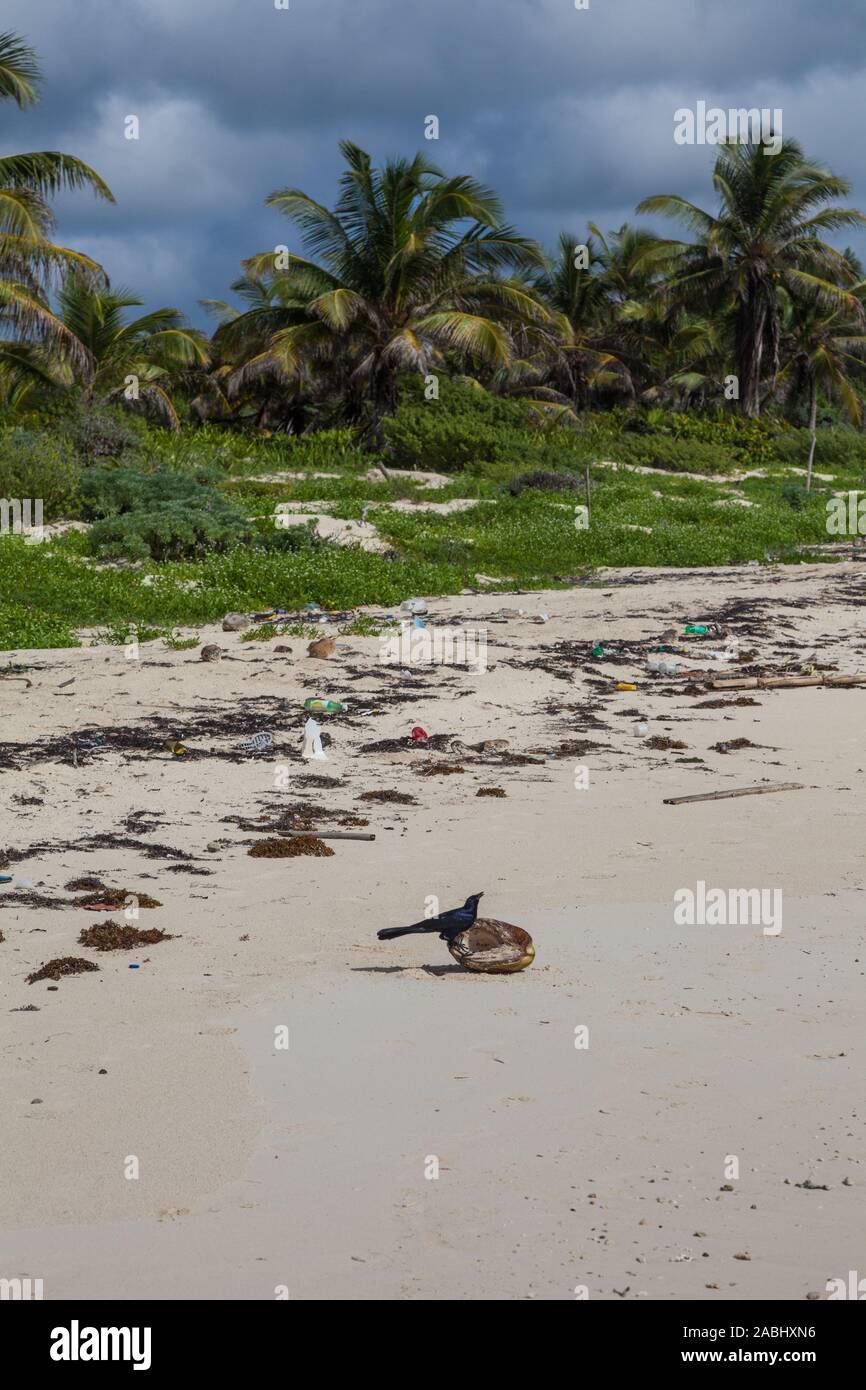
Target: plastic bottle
(324, 706)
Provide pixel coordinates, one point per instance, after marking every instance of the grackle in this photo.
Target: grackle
(447, 924)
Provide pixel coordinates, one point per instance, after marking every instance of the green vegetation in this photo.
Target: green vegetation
(711, 389)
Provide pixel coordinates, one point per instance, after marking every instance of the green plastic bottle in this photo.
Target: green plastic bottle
(324, 706)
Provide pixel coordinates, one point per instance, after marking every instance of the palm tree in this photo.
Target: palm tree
(125, 360)
(824, 349)
(27, 256)
(408, 268)
(766, 236)
(575, 342)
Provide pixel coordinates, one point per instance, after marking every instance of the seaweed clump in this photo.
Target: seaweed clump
(290, 848)
(117, 897)
(62, 965)
(116, 936)
(389, 797)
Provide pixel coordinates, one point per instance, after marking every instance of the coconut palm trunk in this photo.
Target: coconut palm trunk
(813, 427)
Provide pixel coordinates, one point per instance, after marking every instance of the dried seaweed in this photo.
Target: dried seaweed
(732, 745)
(62, 965)
(740, 703)
(490, 791)
(118, 897)
(389, 798)
(116, 936)
(290, 848)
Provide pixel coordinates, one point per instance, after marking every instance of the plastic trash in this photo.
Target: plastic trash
(324, 706)
(413, 605)
(313, 742)
(419, 735)
(625, 685)
(5, 878)
(641, 729)
(257, 743)
(664, 666)
(696, 630)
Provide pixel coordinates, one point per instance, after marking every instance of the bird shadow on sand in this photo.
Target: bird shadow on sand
(438, 970)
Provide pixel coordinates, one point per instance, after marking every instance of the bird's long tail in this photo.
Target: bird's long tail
(388, 933)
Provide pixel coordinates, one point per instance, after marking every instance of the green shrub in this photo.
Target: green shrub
(543, 481)
(23, 625)
(837, 450)
(795, 494)
(103, 433)
(37, 464)
(465, 427)
(675, 455)
(159, 516)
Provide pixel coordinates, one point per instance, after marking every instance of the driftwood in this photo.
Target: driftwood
(740, 791)
(781, 682)
(328, 834)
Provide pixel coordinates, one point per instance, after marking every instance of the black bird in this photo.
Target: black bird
(447, 924)
(478, 943)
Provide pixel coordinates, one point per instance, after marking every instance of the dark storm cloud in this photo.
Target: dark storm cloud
(568, 113)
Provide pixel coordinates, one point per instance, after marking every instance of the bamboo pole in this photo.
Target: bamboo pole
(740, 791)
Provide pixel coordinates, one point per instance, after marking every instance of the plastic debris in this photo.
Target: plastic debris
(324, 706)
(413, 605)
(257, 743)
(313, 742)
(419, 735)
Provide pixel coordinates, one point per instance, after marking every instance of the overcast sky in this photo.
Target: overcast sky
(568, 114)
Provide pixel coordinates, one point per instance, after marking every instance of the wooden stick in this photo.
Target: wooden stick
(782, 682)
(740, 791)
(328, 834)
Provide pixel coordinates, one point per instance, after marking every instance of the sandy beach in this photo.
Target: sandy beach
(564, 1170)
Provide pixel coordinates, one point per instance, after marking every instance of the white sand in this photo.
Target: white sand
(558, 1167)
